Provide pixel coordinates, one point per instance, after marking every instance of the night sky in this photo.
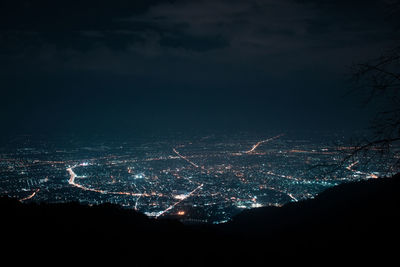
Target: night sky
(143, 66)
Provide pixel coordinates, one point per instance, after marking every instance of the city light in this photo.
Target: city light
(210, 181)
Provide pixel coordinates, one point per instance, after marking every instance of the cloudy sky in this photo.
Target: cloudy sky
(124, 66)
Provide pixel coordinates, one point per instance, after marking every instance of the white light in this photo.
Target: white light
(180, 197)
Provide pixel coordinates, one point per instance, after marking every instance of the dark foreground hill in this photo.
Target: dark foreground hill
(357, 222)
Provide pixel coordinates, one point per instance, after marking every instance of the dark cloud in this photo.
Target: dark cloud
(62, 15)
(196, 43)
(257, 62)
(266, 26)
(70, 24)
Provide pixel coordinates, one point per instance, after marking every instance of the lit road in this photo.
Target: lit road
(262, 142)
(176, 203)
(350, 167)
(72, 182)
(368, 175)
(182, 157)
(292, 197)
(30, 196)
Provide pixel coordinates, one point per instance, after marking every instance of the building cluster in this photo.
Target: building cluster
(204, 181)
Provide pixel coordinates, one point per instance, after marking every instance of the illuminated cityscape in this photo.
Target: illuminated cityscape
(203, 132)
(206, 179)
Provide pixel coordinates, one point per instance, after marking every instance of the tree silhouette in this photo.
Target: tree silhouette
(379, 80)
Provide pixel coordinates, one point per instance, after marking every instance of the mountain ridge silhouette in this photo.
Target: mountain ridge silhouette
(347, 220)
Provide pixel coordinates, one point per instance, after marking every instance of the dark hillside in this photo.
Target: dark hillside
(355, 219)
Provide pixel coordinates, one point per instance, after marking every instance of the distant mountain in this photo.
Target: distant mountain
(357, 221)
